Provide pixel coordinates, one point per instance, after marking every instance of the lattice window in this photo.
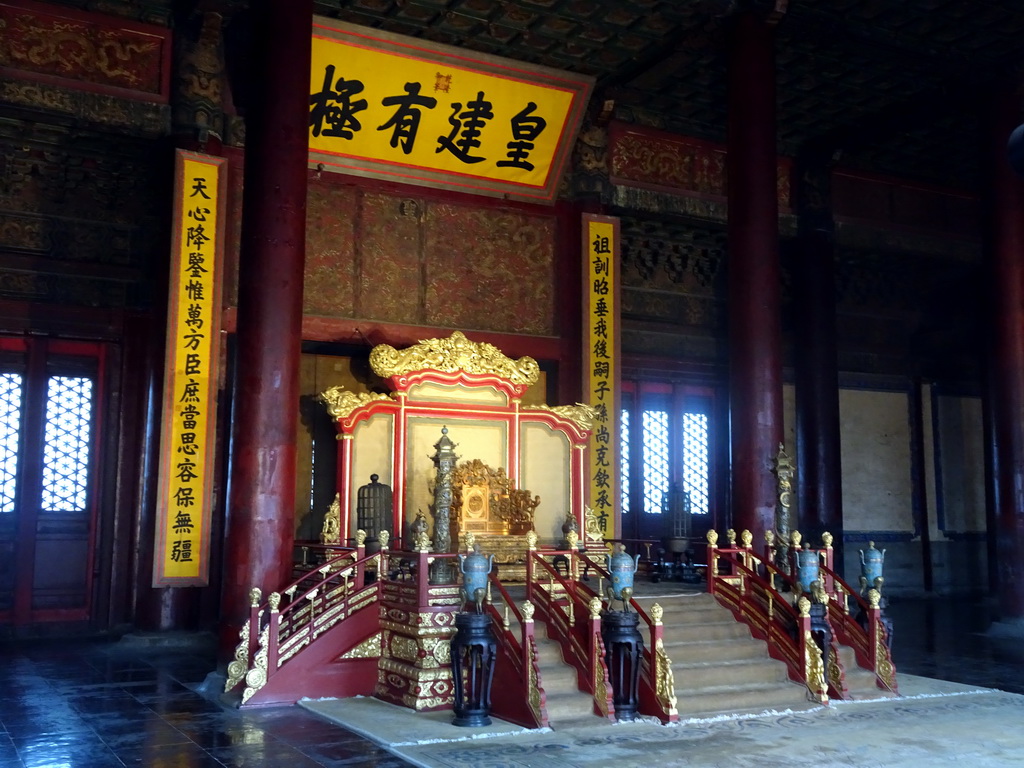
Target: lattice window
(67, 441)
(10, 432)
(656, 469)
(695, 461)
(624, 459)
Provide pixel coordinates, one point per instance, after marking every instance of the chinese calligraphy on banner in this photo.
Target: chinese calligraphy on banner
(187, 443)
(601, 363)
(411, 111)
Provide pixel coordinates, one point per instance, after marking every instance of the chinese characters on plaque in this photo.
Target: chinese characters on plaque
(186, 454)
(406, 110)
(601, 363)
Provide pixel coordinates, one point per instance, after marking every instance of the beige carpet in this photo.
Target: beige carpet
(933, 723)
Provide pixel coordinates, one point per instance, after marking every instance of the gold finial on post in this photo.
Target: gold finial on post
(804, 606)
(595, 607)
(470, 541)
(275, 601)
(730, 536)
(383, 537)
(422, 542)
(746, 538)
(360, 538)
(656, 614)
(254, 597)
(826, 539)
(795, 538)
(769, 538)
(531, 540)
(527, 611)
(874, 598)
(712, 537)
(573, 539)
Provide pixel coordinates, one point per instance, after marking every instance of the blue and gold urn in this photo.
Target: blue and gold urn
(621, 568)
(807, 566)
(475, 568)
(871, 561)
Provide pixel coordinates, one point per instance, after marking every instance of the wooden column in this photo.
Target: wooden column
(261, 507)
(818, 448)
(755, 345)
(1005, 254)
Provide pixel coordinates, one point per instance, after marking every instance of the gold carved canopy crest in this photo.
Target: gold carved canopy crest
(456, 353)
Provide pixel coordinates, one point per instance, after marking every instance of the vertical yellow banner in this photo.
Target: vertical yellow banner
(601, 364)
(189, 414)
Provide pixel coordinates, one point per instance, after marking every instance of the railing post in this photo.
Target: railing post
(531, 550)
(826, 539)
(422, 566)
(814, 665)
(360, 554)
(747, 541)
(795, 537)
(382, 564)
(273, 637)
(712, 537)
(255, 595)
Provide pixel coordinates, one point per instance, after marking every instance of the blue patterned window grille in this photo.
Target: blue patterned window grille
(656, 466)
(695, 461)
(10, 436)
(624, 459)
(67, 439)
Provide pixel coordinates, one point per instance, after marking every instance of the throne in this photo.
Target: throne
(487, 505)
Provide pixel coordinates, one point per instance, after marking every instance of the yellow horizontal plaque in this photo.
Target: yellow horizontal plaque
(406, 110)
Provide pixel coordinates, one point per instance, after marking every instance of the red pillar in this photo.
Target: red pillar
(260, 521)
(819, 468)
(755, 351)
(1005, 251)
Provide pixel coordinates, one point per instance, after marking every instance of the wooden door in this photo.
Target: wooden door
(50, 393)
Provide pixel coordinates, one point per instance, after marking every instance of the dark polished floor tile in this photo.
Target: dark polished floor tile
(261, 755)
(352, 754)
(136, 735)
(47, 753)
(214, 734)
(170, 756)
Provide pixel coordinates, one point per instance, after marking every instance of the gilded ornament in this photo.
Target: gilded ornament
(814, 668)
(746, 538)
(422, 542)
(573, 539)
(531, 540)
(383, 537)
(665, 686)
(341, 402)
(600, 686)
(370, 648)
(534, 692)
(527, 611)
(818, 593)
(456, 353)
(592, 526)
(595, 607)
(769, 537)
(256, 677)
(826, 539)
(583, 416)
(470, 540)
(795, 538)
(239, 666)
(874, 598)
(712, 537)
(804, 607)
(657, 612)
(275, 601)
(360, 538)
(254, 597)
(730, 536)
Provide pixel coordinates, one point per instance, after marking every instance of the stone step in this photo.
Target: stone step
(567, 706)
(743, 699)
(718, 630)
(695, 676)
(860, 682)
(716, 651)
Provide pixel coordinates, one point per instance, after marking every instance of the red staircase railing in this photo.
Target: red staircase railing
(333, 599)
(733, 580)
(516, 671)
(574, 613)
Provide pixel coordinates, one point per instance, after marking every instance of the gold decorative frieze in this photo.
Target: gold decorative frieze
(665, 686)
(370, 648)
(581, 415)
(456, 353)
(814, 668)
(240, 665)
(341, 402)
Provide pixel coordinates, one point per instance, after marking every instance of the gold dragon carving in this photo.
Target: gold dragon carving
(583, 416)
(341, 402)
(456, 353)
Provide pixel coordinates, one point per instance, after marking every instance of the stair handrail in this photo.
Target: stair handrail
(756, 602)
(580, 640)
(870, 639)
(657, 685)
(522, 650)
(293, 617)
